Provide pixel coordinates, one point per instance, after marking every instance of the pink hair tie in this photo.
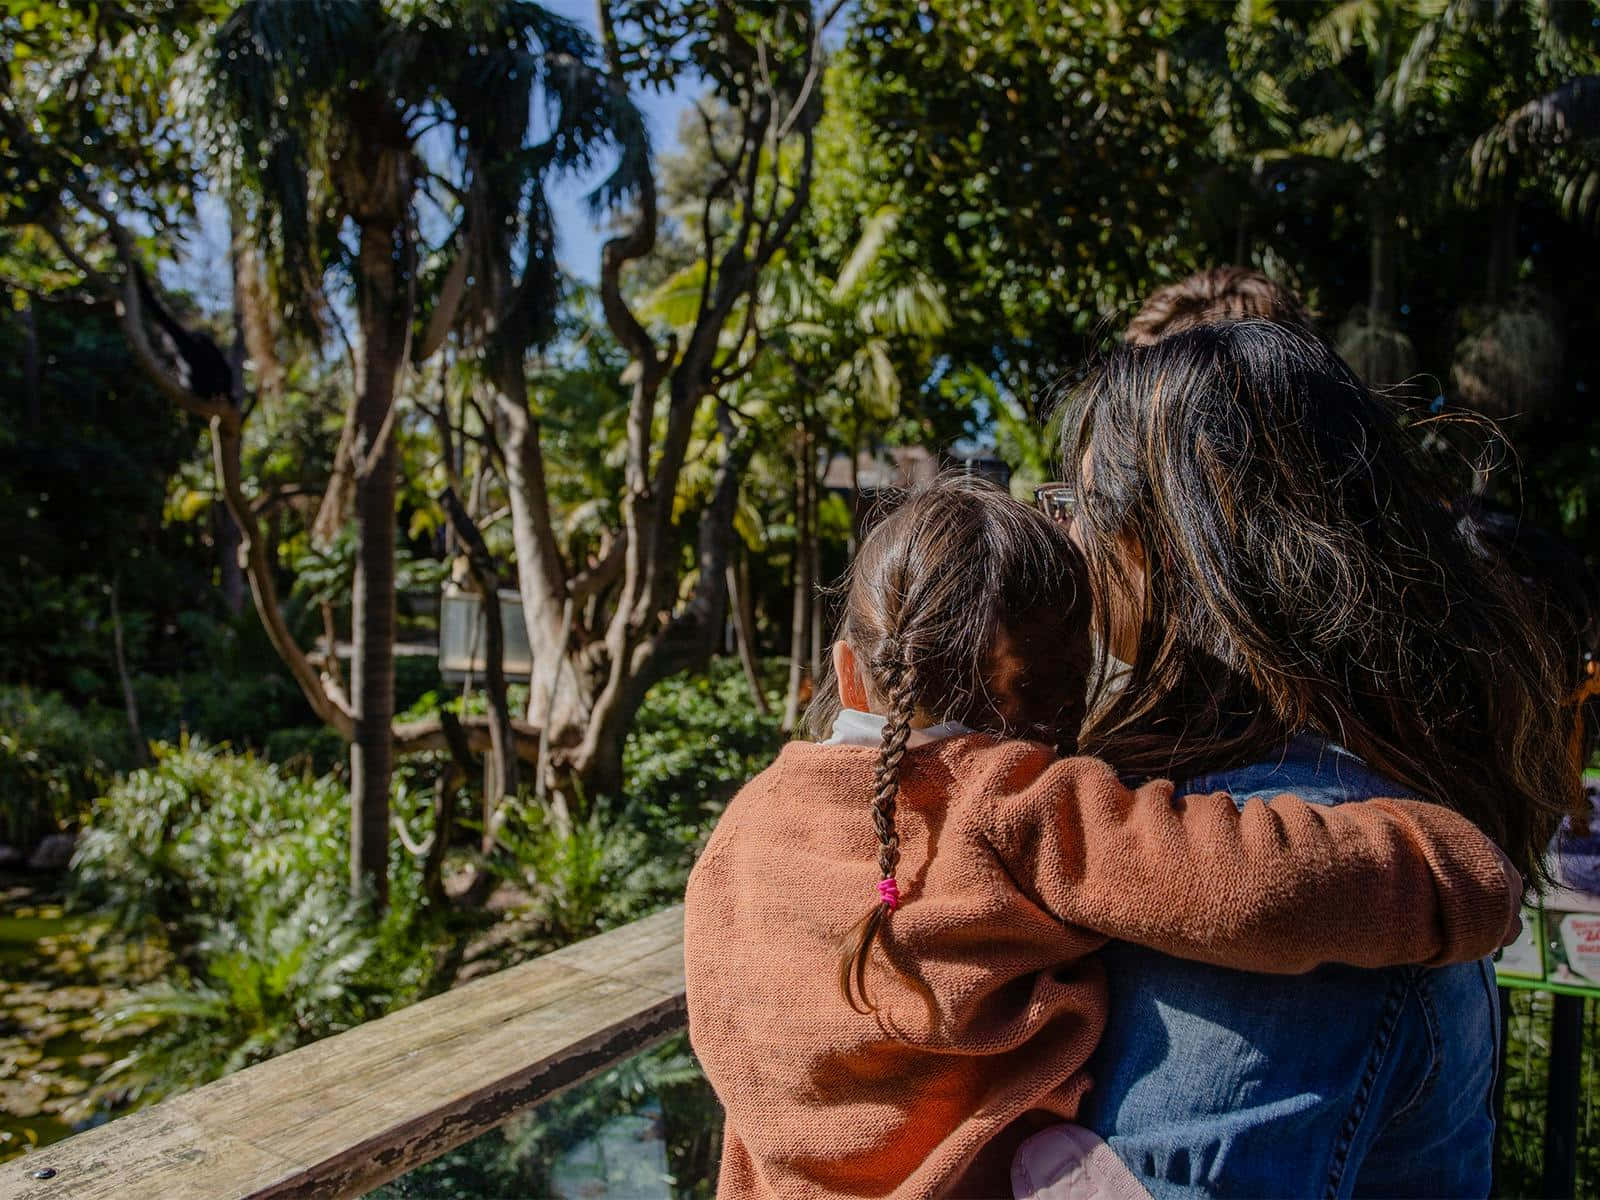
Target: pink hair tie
(889, 892)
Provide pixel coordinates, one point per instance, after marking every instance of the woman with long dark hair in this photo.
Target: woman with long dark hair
(1288, 605)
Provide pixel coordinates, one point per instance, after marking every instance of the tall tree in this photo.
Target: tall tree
(317, 117)
(654, 602)
(345, 92)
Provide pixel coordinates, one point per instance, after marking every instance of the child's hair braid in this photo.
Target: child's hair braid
(896, 736)
(899, 681)
(963, 605)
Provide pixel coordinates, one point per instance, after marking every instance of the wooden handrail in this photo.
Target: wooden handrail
(343, 1115)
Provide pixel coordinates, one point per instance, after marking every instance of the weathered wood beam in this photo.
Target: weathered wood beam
(343, 1115)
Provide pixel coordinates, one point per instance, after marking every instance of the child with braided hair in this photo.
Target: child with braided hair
(890, 938)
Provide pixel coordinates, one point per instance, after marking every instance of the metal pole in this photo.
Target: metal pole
(1561, 1109)
(1502, 1052)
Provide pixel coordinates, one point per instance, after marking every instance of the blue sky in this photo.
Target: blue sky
(577, 237)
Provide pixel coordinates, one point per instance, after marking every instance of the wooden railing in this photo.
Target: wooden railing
(343, 1115)
(351, 1112)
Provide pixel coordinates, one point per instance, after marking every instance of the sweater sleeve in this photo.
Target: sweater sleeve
(1279, 887)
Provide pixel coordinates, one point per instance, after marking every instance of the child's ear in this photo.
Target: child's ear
(852, 691)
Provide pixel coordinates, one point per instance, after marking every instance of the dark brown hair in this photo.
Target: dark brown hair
(1302, 571)
(965, 605)
(1212, 296)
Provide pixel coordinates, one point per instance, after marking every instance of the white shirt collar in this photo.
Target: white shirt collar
(852, 727)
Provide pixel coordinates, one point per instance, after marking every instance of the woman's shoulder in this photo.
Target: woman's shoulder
(1309, 766)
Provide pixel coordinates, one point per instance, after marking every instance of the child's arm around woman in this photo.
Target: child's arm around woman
(1280, 887)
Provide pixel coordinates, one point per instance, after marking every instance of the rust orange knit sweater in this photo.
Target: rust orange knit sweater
(1015, 868)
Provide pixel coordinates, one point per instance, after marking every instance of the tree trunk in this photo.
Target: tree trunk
(141, 753)
(500, 766)
(500, 776)
(744, 636)
(801, 615)
(557, 702)
(1381, 265)
(385, 324)
(653, 630)
(30, 366)
(539, 567)
(226, 534)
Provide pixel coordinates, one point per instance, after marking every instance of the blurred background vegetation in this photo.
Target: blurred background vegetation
(313, 304)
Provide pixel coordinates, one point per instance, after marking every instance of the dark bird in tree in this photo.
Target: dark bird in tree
(202, 366)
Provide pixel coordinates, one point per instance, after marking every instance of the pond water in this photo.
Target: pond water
(55, 979)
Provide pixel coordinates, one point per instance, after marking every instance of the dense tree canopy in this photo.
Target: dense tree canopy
(1422, 173)
(904, 229)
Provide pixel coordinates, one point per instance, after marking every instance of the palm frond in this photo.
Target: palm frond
(273, 62)
(914, 307)
(1550, 140)
(675, 301)
(1337, 34)
(874, 236)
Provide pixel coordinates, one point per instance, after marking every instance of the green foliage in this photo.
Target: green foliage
(595, 875)
(241, 869)
(1524, 1097)
(307, 750)
(294, 964)
(83, 465)
(474, 703)
(696, 740)
(54, 760)
(240, 709)
(326, 574)
(1046, 164)
(199, 832)
(302, 105)
(87, 102)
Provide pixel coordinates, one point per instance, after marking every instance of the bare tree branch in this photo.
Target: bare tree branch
(603, 573)
(634, 242)
(451, 291)
(813, 71)
(130, 317)
(728, 165)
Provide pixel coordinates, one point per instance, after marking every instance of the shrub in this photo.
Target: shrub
(596, 875)
(196, 832)
(295, 965)
(204, 829)
(54, 760)
(308, 749)
(241, 868)
(696, 740)
(219, 706)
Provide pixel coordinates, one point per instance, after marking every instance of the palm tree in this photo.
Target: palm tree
(1382, 88)
(335, 121)
(1508, 359)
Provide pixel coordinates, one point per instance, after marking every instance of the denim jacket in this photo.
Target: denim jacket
(1341, 1082)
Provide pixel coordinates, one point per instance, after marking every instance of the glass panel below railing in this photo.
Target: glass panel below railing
(648, 1128)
